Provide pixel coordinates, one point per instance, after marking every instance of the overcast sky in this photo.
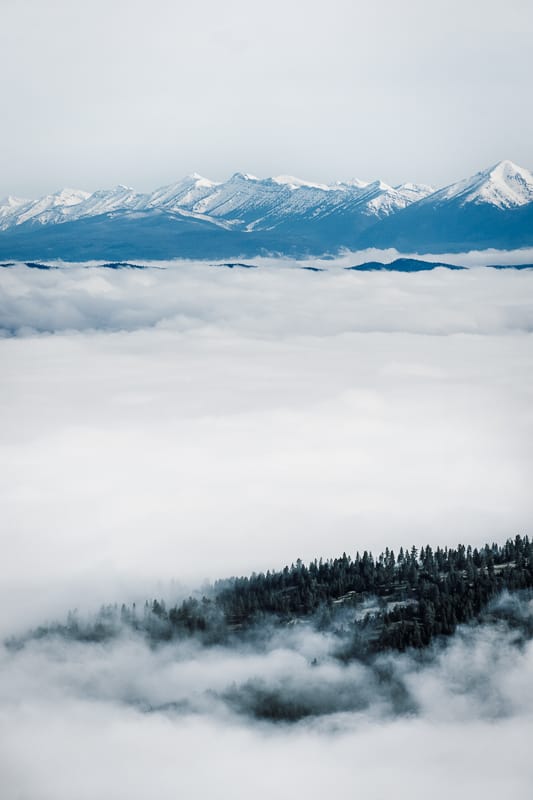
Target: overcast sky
(123, 91)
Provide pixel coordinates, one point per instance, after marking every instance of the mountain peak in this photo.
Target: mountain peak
(243, 176)
(13, 202)
(503, 185)
(354, 182)
(67, 197)
(195, 179)
(505, 167)
(297, 183)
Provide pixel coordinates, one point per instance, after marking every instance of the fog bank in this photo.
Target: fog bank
(125, 720)
(202, 422)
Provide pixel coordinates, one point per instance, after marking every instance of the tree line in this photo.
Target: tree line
(392, 601)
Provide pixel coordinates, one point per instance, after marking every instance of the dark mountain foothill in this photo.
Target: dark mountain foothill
(401, 265)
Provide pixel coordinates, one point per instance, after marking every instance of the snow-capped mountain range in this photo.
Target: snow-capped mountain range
(246, 214)
(243, 200)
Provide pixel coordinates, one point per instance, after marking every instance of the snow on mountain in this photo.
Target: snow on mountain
(242, 201)
(353, 182)
(297, 183)
(9, 206)
(107, 201)
(265, 203)
(11, 202)
(504, 185)
(245, 199)
(49, 208)
(183, 194)
(414, 191)
(253, 204)
(73, 204)
(380, 200)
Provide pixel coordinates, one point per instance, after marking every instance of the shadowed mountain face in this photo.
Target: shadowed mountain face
(119, 238)
(246, 216)
(453, 227)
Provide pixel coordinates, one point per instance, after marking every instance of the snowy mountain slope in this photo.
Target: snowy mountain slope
(51, 208)
(107, 201)
(284, 214)
(183, 194)
(276, 199)
(379, 199)
(71, 204)
(242, 201)
(414, 191)
(9, 206)
(493, 208)
(296, 183)
(504, 185)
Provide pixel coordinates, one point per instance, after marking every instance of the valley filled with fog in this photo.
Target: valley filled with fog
(169, 425)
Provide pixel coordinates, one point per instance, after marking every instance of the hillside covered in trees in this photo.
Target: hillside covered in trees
(389, 602)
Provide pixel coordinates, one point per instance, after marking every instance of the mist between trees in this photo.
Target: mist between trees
(364, 606)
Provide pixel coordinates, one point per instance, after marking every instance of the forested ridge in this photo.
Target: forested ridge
(393, 601)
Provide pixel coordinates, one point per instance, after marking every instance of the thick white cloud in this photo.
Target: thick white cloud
(124, 720)
(265, 415)
(195, 422)
(275, 300)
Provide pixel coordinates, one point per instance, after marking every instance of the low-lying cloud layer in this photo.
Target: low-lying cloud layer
(276, 300)
(180, 718)
(196, 422)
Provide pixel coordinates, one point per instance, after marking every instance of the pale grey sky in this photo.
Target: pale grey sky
(123, 91)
